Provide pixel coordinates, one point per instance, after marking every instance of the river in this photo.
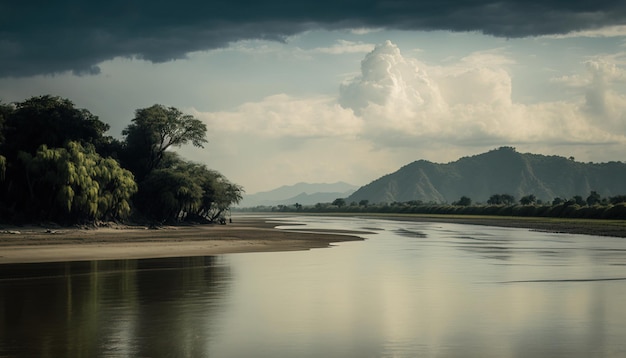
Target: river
(410, 289)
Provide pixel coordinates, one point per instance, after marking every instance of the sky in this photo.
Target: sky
(326, 91)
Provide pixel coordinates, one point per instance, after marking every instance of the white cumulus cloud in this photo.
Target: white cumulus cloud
(398, 109)
(403, 102)
(281, 116)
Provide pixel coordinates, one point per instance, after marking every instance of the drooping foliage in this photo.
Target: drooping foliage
(5, 111)
(167, 194)
(178, 190)
(75, 184)
(219, 194)
(57, 164)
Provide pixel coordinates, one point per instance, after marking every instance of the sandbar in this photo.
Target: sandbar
(40, 244)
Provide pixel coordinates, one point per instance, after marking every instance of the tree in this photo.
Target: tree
(501, 199)
(5, 111)
(339, 202)
(528, 199)
(178, 190)
(617, 199)
(154, 130)
(218, 192)
(227, 194)
(579, 200)
(75, 184)
(364, 202)
(495, 199)
(593, 198)
(463, 201)
(45, 120)
(53, 121)
(168, 194)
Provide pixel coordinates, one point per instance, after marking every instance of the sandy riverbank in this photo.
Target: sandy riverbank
(40, 244)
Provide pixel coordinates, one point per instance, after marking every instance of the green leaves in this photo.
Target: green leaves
(56, 164)
(3, 167)
(153, 131)
(183, 189)
(52, 121)
(76, 183)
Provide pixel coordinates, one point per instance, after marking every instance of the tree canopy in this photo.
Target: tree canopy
(75, 184)
(57, 164)
(153, 131)
(178, 190)
(49, 120)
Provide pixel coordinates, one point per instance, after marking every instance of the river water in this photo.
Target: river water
(410, 289)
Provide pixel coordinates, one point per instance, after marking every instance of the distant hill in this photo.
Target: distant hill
(500, 171)
(302, 193)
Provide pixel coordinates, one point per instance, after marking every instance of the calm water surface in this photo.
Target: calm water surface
(410, 290)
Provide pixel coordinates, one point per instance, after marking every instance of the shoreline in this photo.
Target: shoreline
(35, 244)
(596, 227)
(246, 234)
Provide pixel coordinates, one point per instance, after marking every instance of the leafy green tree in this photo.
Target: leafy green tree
(44, 120)
(463, 201)
(364, 202)
(75, 184)
(154, 130)
(593, 198)
(51, 121)
(3, 167)
(501, 199)
(339, 202)
(578, 200)
(5, 111)
(179, 190)
(617, 199)
(495, 199)
(226, 194)
(167, 194)
(528, 199)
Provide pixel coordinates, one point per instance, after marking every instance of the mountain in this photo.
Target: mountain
(500, 171)
(302, 193)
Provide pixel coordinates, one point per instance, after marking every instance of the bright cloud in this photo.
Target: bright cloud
(397, 106)
(281, 116)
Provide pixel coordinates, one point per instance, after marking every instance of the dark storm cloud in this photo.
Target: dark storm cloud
(41, 37)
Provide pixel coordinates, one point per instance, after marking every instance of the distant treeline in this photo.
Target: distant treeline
(591, 207)
(57, 165)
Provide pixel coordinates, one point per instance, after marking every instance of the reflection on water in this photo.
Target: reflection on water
(411, 289)
(128, 308)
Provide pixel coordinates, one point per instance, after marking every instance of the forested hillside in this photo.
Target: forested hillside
(500, 171)
(58, 164)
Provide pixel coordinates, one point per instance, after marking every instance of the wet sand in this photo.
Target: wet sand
(40, 244)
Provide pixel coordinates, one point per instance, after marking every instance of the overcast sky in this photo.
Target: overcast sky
(327, 91)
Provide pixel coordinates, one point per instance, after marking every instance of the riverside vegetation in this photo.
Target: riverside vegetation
(57, 164)
(547, 186)
(592, 207)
